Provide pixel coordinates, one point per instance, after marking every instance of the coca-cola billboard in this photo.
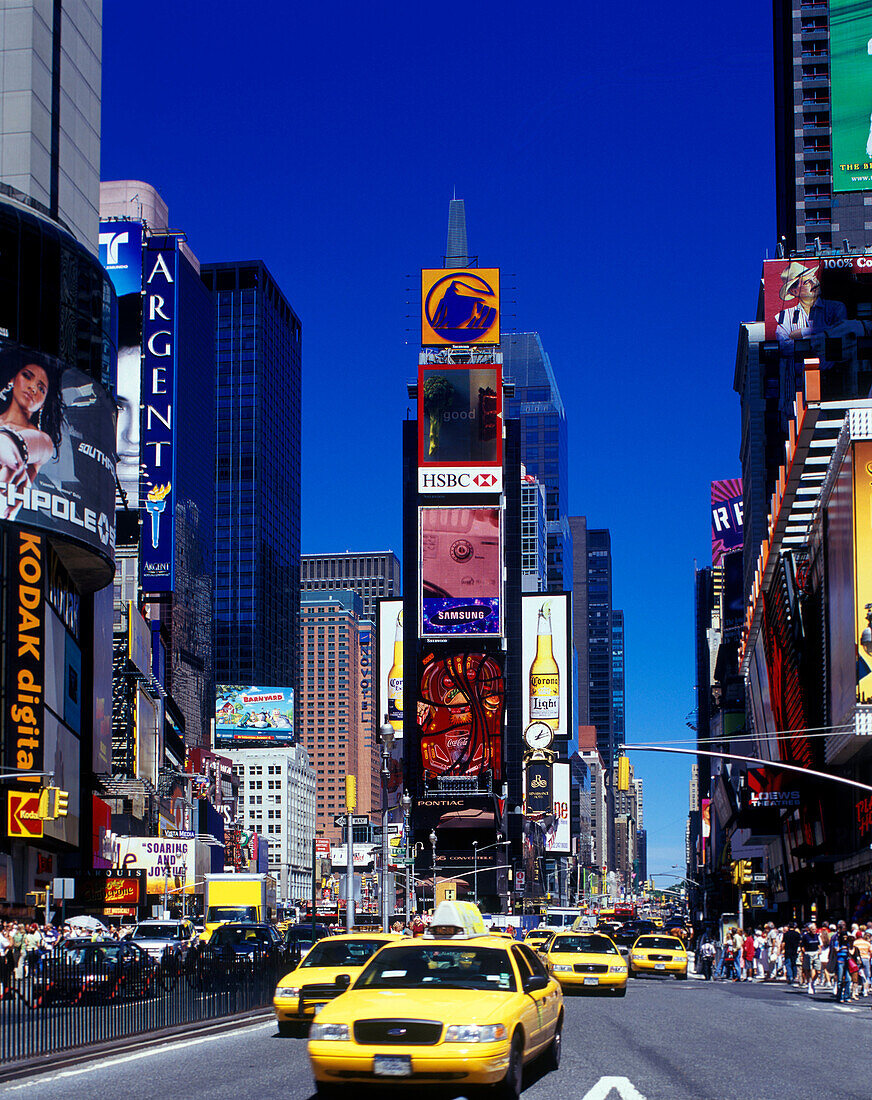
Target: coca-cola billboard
(460, 708)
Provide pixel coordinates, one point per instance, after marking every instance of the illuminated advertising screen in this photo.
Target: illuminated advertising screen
(25, 638)
(57, 451)
(804, 303)
(846, 611)
(459, 415)
(851, 95)
(727, 526)
(538, 789)
(557, 837)
(121, 255)
(460, 306)
(863, 569)
(546, 661)
(253, 716)
(390, 664)
(157, 423)
(460, 707)
(168, 864)
(461, 564)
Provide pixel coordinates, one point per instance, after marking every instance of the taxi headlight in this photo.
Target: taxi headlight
(333, 1032)
(558, 966)
(475, 1033)
(637, 956)
(286, 991)
(617, 969)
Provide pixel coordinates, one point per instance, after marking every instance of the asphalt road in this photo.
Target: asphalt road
(665, 1040)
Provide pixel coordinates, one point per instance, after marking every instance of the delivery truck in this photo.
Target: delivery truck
(238, 897)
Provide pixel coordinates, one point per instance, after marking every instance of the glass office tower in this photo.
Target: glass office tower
(544, 446)
(257, 520)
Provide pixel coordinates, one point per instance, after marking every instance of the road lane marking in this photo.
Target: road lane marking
(623, 1086)
(107, 1063)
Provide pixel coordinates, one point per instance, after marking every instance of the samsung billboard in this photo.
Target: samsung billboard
(461, 565)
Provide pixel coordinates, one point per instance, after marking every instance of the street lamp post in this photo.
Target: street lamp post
(386, 736)
(475, 871)
(433, 847)
(407, 848)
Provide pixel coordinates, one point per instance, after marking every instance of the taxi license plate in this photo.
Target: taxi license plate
(659, 966)
(317, 1007)
(591, 981)
(392, 1066)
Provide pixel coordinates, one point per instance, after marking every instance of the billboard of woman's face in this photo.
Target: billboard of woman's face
(57, 450)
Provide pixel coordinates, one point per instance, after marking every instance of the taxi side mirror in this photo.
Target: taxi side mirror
(343, 981)
(535, 983)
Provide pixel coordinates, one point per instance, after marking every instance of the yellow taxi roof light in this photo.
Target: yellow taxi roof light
(456, 919)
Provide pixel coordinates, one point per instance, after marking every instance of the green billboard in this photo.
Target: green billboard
(851, 82)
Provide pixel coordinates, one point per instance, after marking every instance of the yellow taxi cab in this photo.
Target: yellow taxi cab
(313, 982)
(538, 937)
(579, 960)
(456, 1007)
(658, 954)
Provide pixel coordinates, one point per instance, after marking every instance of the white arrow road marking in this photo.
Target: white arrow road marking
(623, 1086)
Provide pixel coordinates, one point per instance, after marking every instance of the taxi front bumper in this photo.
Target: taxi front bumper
(571, 980)
(650, 966)
(475, 1063)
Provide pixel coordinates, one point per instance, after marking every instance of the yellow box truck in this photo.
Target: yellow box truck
(238, 897)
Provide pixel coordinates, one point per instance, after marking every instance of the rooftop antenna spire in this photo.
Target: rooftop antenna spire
(456, 251)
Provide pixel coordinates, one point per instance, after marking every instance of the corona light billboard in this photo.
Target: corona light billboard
(460, 306)
(546, 661)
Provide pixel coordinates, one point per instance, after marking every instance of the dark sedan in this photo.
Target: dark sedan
(246, 943)
(105, 970)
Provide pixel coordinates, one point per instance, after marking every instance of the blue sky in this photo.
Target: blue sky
(617, 165)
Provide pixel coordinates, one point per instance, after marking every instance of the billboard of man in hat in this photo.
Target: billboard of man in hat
(806, 313)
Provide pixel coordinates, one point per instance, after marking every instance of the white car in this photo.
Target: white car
(165, 940)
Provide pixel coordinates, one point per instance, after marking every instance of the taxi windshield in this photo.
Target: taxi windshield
(332, 952)
(668, 942)
(584, 945)
(439, 967)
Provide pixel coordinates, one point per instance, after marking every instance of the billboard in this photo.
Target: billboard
(169, 864)
(851, 96)
(460, 306)
(157, 425)
(460, 429)
(546, 661)
(727, 528)
(461, 570)
(804, 299)
(24, 718)
(557, 836)
(253, 716)
(57, 451)
(863, 569)
(390, 664)
(121, 255)
(460, 710)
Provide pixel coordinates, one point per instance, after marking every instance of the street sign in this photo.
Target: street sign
(23, 818)
(322, 846)
(356, 819)
(520, 880)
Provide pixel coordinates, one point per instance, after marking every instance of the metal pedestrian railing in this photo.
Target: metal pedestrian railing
(67, 999)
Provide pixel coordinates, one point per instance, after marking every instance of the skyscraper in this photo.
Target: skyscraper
(373, 575)
(331, 721)
(805, 205)
(257, 516)
(50, 79)
(618, 697)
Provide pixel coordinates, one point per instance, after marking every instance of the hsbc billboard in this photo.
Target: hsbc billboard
(460, 479)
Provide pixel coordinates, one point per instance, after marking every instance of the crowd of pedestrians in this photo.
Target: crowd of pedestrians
(23, 945)
(826, 957)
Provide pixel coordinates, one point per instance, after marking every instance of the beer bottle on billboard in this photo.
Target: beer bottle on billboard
(544, 674)
(395, 680)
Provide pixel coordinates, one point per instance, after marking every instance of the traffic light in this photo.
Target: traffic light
(36, 898)
(350, 793)
(53, 802)
(624, 773)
